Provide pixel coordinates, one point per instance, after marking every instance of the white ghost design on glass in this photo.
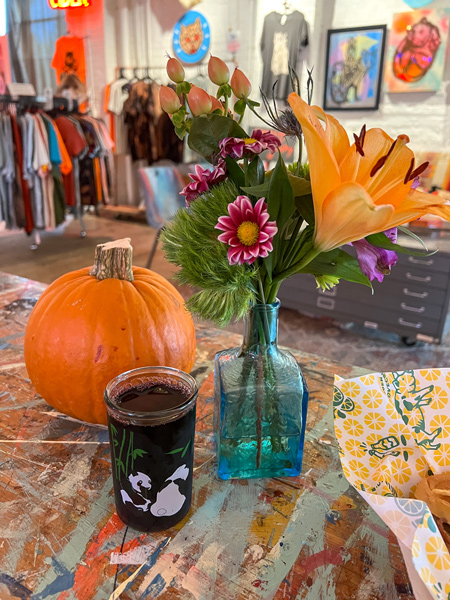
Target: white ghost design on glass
(170, 500)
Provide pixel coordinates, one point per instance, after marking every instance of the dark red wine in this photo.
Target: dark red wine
(153, 398)
(152, 464)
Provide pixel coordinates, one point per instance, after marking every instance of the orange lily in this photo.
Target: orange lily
(363, 188)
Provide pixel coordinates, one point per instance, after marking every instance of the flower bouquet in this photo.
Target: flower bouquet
(247, 229)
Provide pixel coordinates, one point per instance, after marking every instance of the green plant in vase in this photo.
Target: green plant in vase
(246, 229)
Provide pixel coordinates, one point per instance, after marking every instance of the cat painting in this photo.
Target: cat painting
(191, 37)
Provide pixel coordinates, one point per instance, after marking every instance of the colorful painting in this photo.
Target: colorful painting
(353, 68)
(191, 38)
(416, 50)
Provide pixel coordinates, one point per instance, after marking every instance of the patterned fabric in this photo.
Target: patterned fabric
(393, 429)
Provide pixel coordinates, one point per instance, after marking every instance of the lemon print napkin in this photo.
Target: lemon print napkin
(393, 429)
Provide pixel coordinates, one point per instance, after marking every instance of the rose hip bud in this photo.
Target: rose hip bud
(216, 105)
(240, 85)
(170, 103)
(175, 70)
(218, 71)
(199, 102)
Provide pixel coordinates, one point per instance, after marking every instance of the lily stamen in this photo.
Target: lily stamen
(409, 171)
(359, 141)
(420, 169)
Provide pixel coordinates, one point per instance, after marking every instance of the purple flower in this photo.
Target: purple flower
(375, 262)
(257, 143)
(203, 180)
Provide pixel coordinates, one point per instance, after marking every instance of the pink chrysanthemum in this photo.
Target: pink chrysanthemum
(247, 230)
(203, 180)
(257, 143)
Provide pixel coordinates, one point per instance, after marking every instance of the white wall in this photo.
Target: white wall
(144, 37)
(423, 116)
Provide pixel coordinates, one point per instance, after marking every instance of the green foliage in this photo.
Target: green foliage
(208, 130)
(337, 263)
(301, 171)
(190, 242)
(380, 240)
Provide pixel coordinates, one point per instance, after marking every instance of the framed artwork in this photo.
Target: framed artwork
(191, 38)
(416, 50)
(353, 68)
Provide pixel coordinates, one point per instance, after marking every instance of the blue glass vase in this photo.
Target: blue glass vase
(260, 403)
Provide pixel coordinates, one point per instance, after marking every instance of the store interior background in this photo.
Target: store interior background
(138, 33)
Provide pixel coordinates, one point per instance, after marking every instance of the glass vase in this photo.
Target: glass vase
(261, 402)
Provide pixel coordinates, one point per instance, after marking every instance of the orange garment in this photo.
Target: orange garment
(98, 180)
(66, 164)
(69, 57)
(112, 124)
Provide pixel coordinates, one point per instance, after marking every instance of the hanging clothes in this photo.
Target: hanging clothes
(40, 172)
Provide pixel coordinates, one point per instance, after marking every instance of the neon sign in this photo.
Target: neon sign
(68, 3)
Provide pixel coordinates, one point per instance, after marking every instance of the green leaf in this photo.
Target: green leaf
(380, 240)
(256, 171)
(235, 172)
(183, 88)
(405, 455)
(139, 453)
(337, 263)
(403, 439)
(175, 451)
(280, 201)
(224, 90)
(178, 118)
(113, 429)
(180, 132)
(407, 231)
(239, 107)
(300, 186)
(115, 443)
(186, 448)
(208, 130)
(305, 206)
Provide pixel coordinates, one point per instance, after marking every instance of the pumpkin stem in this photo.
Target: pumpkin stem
(113, 260)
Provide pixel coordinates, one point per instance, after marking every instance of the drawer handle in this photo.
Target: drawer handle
(415, 261)
(408, 324)
(412, 308)
(415, 294)
(416, 278)
(327, 303)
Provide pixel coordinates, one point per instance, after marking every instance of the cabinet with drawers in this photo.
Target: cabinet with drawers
(412, 301)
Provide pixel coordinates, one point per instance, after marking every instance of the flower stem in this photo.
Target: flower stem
(246, 171)
(298, 266)
(291, 244)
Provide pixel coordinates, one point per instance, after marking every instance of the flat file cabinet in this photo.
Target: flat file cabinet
(412, 301)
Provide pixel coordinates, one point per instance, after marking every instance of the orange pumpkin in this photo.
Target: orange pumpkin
(93, 324)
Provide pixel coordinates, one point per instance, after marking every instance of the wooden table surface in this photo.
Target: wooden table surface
(310, 537)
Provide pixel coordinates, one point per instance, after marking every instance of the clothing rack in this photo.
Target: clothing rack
(60, 104)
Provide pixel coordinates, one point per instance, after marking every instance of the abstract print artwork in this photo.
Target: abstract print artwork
(416, 50)
(354, 67)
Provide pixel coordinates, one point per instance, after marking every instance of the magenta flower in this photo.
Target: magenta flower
(203, 180)
(257, 143)
(248, 231)
(375, 262)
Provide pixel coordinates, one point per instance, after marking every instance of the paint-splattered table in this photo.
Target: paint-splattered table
(311, 537)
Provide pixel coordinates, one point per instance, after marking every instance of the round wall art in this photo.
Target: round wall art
(191, 38)
(417, 3)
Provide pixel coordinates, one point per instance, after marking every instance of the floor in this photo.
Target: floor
(64, 250)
